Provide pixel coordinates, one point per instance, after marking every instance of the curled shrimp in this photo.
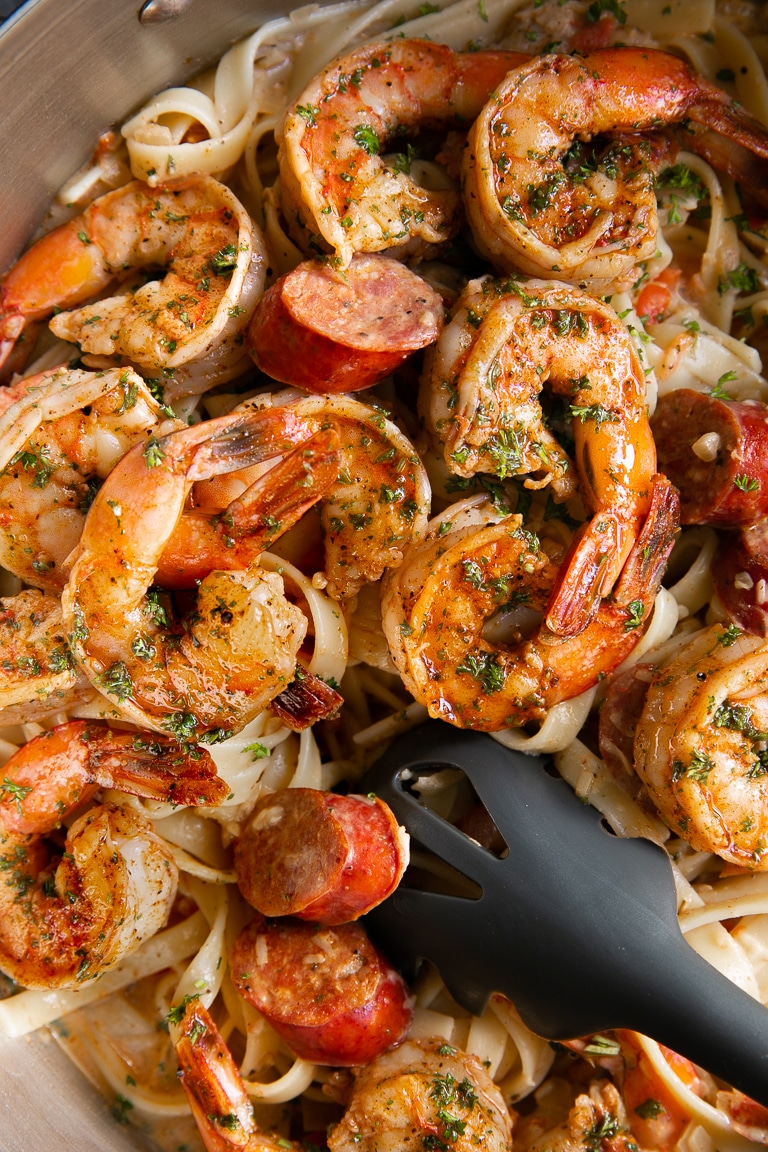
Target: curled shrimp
(422, 1093)
(61, 432)
(238, 649)
(346, 195)
(378, 502)
(480, 400)
(700, 745)
(536, 202)
(366, 478)
(436, 605)
(114, 885)
(195, 228)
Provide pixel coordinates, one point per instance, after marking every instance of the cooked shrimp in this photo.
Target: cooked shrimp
(215, 265)
(69, 763)
(114, 885)
(700, 745)
(366, 478)
(537, 202)
(379, 501)
(37, 672)
(61, 432)
(112, 889)
(423, 1094)
(435, 607)
(62, 437)
(480, 399)
(217, 1097)
(656, 1117)
(339, 192)
(238, 649)
(423, 1090)
(226, 526)
(596, 1122)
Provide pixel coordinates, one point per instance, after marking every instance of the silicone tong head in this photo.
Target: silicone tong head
(564, 919)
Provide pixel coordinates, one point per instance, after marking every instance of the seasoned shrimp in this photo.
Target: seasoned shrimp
(37, 672)
(423, 1094)
(700, 745)
(596, 1122)
(480, 400)
(215, 264)
(379, 501)
(227, 525)
(366, 477)
(238, 650)
(114, 885)
(538, 203)
(217, 1096)
(339, 192)
(435, 607)
(423, 1090)
(61, 432)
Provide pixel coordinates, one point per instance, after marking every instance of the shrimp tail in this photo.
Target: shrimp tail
(265, 511)
(153, 766)
(746, 163)
(276, 501)
(728, 137)
(642, 574)
(217, 1095)
(62, 767)
(576, 595)
(247, 439)
(729, 119)
(305, 701)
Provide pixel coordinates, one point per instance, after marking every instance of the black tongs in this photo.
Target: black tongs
(578, 927)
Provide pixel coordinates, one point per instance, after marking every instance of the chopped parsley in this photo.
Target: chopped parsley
(367, 139)
(484, 668)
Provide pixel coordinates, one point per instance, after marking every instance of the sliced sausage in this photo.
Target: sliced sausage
(740, 573)
(327, 992)
(620, 714)
(716, 453)
(327, 331)
(319, 856)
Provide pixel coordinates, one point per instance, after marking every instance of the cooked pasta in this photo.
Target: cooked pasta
(453, 542)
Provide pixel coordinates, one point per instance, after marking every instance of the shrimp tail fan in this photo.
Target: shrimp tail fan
(647, 561)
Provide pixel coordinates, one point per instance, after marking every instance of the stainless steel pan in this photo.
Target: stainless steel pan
(69, 69)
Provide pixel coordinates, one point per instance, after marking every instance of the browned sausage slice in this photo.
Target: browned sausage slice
(716, 453)
(319, 856)
(740, 572)
(326, 991)
(339, 332)
(620, 714)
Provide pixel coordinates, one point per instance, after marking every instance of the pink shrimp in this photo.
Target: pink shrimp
(480, 399)
(215, 260)
(435, 607)
(347, 196)
(114, 885)
(538, 203)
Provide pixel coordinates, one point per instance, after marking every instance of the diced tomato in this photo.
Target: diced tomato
(654, 298)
